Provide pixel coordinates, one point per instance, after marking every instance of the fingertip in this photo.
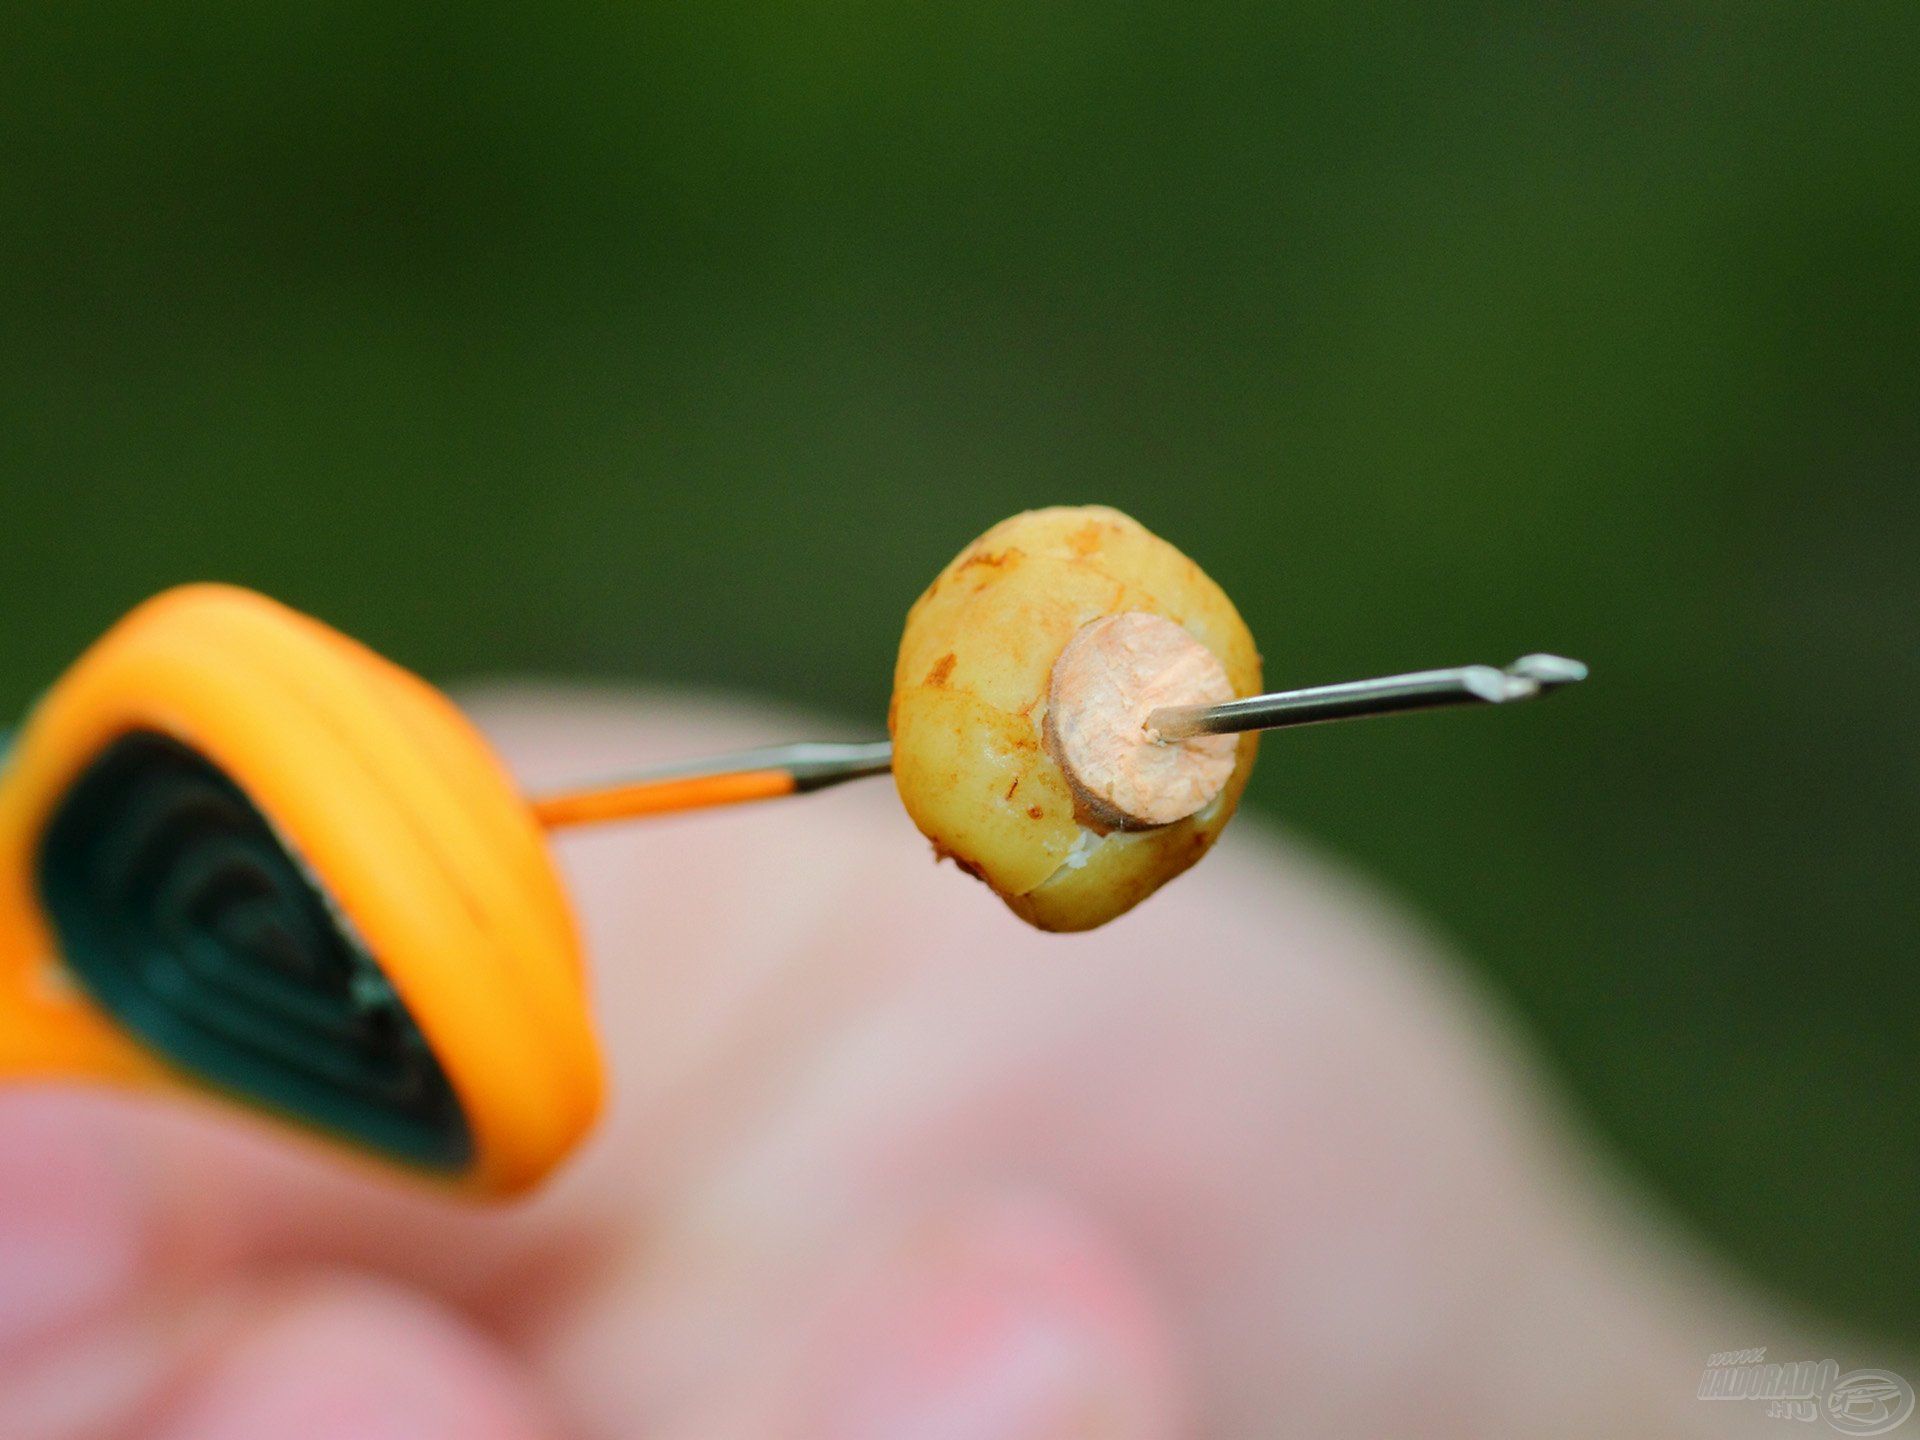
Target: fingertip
(1011, 1318)
(350, 1358)
(1016, 1320)
(72, 1233)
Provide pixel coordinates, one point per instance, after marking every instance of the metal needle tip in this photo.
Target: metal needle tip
(1423, 690)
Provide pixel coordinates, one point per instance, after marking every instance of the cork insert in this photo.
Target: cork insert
(1113, 673)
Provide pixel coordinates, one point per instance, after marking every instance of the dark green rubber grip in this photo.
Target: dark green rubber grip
(182, 912)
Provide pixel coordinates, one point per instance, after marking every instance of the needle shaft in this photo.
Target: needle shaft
(1422, 690)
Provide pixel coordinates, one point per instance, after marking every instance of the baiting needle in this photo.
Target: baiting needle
(796, 769)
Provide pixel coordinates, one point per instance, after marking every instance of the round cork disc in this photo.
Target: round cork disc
(1113, 673)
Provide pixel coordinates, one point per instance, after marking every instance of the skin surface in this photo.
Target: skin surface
(969, 709)
(885, 1164)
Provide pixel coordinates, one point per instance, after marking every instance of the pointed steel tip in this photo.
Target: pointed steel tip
(1548, 671)
(1528, 676)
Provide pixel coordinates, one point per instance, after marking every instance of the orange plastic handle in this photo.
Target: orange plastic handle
(393, 801)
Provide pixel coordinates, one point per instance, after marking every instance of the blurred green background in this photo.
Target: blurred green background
(686, 343)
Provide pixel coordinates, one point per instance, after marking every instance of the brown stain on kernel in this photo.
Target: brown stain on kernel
(942, 668)
(991, 561)
(1013, 787)
(1034, 812)
(994, 559)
